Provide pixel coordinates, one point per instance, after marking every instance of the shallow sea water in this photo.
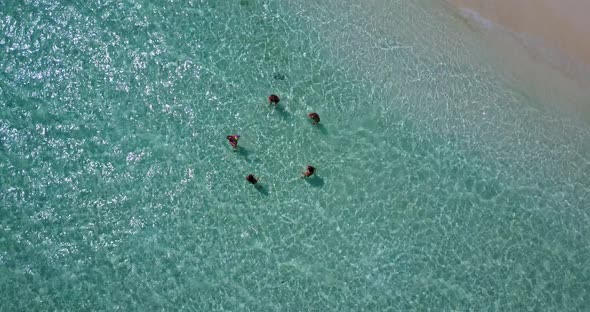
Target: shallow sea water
(440, 183)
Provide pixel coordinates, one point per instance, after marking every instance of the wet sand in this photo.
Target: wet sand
(561, 24)
(548, 49)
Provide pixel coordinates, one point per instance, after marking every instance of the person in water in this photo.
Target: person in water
(252, 179)
(309, 171)
(273, 99)
(233, 140)
(315, 118)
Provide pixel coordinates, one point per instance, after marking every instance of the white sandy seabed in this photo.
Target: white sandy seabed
(544, 44)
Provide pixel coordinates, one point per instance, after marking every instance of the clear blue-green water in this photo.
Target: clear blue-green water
(441, 184)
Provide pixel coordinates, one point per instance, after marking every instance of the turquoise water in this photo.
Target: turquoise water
(440, 183)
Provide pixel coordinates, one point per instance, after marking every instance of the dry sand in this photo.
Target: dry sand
(555, 34)
(563, 24)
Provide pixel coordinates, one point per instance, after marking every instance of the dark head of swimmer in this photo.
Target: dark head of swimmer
(309, 171)
(233, 140)
(315, 118)
(250, 178)
(273, 99)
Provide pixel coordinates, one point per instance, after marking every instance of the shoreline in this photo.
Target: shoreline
(559, 25)
(529, 50)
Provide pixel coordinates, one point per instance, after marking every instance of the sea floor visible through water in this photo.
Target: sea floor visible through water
(553, 76)
(439, 185)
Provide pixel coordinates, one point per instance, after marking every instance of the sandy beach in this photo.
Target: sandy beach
(561, 24)
(549, 49)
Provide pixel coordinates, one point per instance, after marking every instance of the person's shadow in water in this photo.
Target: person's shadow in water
(321, 128)
(282, 112)
(261, 189)
(315, 181)
(242, 151)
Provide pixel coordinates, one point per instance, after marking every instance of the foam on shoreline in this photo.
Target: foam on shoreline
(533, 41)
(561, 25)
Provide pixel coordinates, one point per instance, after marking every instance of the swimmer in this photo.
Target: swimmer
(310, 170)
(233, 140)
(315, 118)
(273, 99)
(252, 179)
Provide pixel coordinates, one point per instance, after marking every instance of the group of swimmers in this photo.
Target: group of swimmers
(274, 99)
